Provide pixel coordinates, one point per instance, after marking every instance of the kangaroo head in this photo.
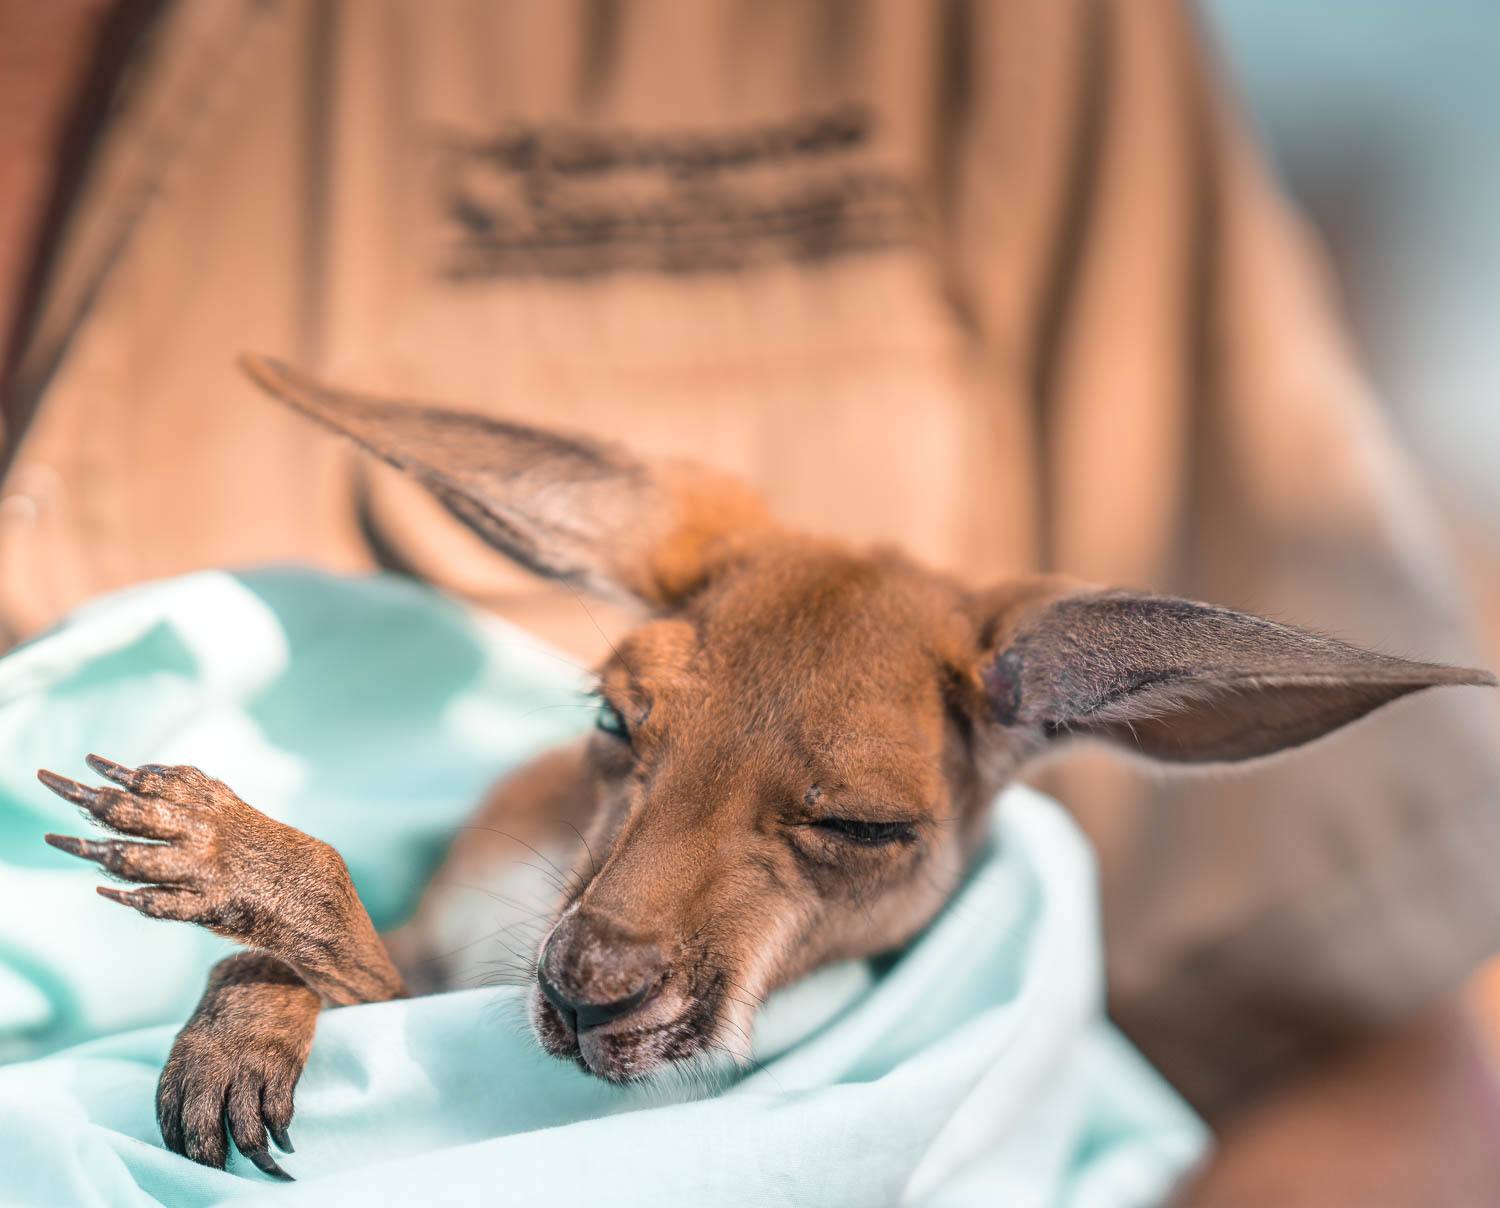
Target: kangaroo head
(796, 747)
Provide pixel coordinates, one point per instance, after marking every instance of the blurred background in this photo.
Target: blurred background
(1379, 117)
(1012, 284)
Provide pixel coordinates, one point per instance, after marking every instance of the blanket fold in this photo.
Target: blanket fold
(976, 1068)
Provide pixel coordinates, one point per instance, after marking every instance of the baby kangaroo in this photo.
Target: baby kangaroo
(795, 752)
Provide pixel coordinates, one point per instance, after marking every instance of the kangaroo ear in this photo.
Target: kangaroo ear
(1179, 681)
(564, 506)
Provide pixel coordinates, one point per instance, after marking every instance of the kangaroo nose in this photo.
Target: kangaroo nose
(593, 972)
(586, 1015)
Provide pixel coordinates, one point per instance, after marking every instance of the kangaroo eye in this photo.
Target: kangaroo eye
(612, 722)
(869, 834)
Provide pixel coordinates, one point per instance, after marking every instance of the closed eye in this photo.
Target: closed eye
(868, 834)
(611, 721)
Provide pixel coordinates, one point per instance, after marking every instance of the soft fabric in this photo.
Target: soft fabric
(976, 1068)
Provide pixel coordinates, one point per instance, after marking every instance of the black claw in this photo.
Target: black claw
(125, 897)
(70, 790)
(110, 770)
(99, 851)
(267, 1164)
(283, 1141)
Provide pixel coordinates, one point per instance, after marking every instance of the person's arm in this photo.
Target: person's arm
(1411, 1117)
(46, 54)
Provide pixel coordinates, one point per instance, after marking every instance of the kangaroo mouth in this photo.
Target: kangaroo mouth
(671, 1025)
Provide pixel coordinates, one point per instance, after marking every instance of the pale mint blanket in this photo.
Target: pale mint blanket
(978, 1069)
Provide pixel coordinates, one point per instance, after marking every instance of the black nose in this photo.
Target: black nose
(593, 973)
(586, 1015)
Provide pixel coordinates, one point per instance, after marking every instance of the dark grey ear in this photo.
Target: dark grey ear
(564, 506)
(1185, 682)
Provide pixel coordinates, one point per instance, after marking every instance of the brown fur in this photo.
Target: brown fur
(808, 739)
(239, 1057)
